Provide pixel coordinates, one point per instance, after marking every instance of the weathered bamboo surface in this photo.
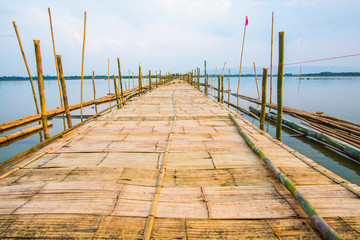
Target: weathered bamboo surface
(99, 181)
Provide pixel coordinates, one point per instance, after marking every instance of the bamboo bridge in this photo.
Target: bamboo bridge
(174, 164)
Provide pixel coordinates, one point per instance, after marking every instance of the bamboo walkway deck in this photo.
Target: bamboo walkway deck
(99, 181)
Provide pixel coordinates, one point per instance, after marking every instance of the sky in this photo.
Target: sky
(178, 35)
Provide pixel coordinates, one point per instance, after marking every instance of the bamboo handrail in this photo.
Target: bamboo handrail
(326, 231)
(82, 67)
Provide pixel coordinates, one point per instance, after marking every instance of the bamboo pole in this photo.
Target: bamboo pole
(116, 93)
(109, 74)
(242, 51)
(257, 87)
(219, 87)
(344, 147)
(140, 83)
(326, 231)
(93, 81)
(280, 85)
(82, 67)
(120, 80)
(63, 88)
(41, 88)
(129, 80)
(222, 88)
(271, 55)
(156, 83)
(27, 68)
(20, 133)
(198, 78)
(229, 92)
(133, 77)
(263, 98)
(150, 84)
(206, 85)
(55, 57)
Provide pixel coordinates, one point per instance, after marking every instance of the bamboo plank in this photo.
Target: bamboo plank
(52, 226)
(115, 227)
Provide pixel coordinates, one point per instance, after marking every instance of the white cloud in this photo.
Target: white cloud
(77, 37)
(197, 8)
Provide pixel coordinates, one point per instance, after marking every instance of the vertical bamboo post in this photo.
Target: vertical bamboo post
(280, 85)
(129, 80)
(156, 82)
(82, 67)
(126, 88)
(198, 78)
(55, 57)
(150, 84)
(229, 89)
(271, 55)
(206, 85)
(242, 51)
(63, 89)
(219, 87)
(222, 88)
(263, 99)
(27, 68)
(41, 88)
(116, 92)
(120, 81)
(257, 86)
(160, 77)
(140, 84)
(109, 74)
(93, 81)
(133, 77)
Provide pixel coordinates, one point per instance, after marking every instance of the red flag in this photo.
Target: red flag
(246, 21)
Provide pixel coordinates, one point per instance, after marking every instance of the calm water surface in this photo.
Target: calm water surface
(337, 97)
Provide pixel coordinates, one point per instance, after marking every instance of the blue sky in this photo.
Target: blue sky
(177, 35)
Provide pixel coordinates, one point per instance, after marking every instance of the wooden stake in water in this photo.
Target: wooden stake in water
(299, 81)
(63, 88)
(41, 88)
(55, 57)
(140, 83)
(109, 74)
(120, 80)
(222, 88)
(198, 78)
(242, 51)
(229, 93)
(257, 87)
(93, 81)
(27, 68)
(82, 68)
(150, 84)
(129, 80)
(116, 92)
(279, 86)
(219, 87)
(271, 55)
(263, 99)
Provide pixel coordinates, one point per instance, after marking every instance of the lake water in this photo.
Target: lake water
(335, 96)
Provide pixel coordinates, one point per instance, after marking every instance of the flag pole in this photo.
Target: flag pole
(242, 50)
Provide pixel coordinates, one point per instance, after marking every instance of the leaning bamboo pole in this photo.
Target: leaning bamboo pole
(326, 231)
(150, 84)
(116, 92)
(55, 57)
(349, 150)
(82, 67)
(263, 99)
(93, 81)
(120, 80)
(140, 83)
(63, 88)
(257, 86)
(23, 132)
(280, 85)
(242, 51)
(27, 68)
(41, 88)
